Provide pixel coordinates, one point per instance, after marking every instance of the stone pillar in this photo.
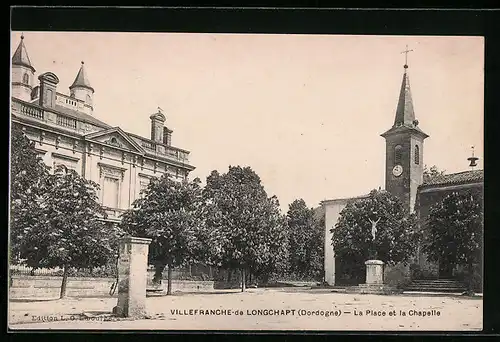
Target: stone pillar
(132, 277)
(374, 272)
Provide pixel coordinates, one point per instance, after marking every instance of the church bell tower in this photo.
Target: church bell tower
(404, 148)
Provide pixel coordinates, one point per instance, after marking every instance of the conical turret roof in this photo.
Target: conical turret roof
(81, 79)
(20, 56)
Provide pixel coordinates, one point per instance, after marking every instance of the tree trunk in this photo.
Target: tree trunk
(229, 273)
(470, 279)
(64, 282)
(250, 278)
(243, 285)
(169, 281)
(158, 276)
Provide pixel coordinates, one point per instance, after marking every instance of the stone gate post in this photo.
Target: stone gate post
(132, 277)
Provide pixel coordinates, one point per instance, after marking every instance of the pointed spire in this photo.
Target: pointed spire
(404, 112)
(20, 57)
(81, 79)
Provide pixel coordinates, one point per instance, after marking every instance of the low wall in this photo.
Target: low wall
(50, 287)
(397, 275)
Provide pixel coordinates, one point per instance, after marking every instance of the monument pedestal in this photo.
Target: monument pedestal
(132, 277)
(374, 280)
(374, 272)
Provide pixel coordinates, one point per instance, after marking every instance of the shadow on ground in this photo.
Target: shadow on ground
(34, 300)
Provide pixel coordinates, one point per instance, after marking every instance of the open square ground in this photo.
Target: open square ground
(259, 309)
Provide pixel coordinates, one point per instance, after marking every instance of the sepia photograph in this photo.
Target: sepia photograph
(262, 182)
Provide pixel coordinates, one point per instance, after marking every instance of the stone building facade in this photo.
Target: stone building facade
(404, 170)
(67, 131)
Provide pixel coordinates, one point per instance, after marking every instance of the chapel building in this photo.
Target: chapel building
(404, 170)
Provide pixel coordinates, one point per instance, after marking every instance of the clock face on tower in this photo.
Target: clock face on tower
(397, 170)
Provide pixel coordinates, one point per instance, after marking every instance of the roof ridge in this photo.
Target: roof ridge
(461, 177)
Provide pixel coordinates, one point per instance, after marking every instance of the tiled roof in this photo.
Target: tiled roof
(474, 176)
(81, 116)
(345, 199)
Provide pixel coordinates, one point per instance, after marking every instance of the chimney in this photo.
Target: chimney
(48, 85)
(167, 136)
(157, 121)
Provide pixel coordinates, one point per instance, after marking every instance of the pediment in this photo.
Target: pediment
(115, 137)
(50, 77)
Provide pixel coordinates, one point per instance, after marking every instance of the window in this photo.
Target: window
(110, 192)
(398, 152)
(70, 164)
(143, 185)
(417, 155)
(49, 98)
(89, 99)
(26, 79)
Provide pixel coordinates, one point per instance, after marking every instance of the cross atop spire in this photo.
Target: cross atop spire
(406, 56)
(405, 113)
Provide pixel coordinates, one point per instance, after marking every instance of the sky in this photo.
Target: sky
(303, 111)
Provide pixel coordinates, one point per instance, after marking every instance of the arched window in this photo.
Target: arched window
(26, 79)
(417, 155)
(89, 99)
(398, 152)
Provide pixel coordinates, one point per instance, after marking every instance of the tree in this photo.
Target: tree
(71, 233)
(396, 230)
(27, 183)
(306, 240)
(454, 231)
(432, 173)
(249, 225)
(169, 213)
(275, 237)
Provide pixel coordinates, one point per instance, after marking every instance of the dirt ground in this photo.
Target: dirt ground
(258, 309)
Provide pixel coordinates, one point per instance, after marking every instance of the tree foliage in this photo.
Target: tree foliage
(170, 214)
(431, 173)
(70, 233)
(454, 230)
(396, 235)
(250, 228)
(55, 218)
(306, 236)
(27, 184)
